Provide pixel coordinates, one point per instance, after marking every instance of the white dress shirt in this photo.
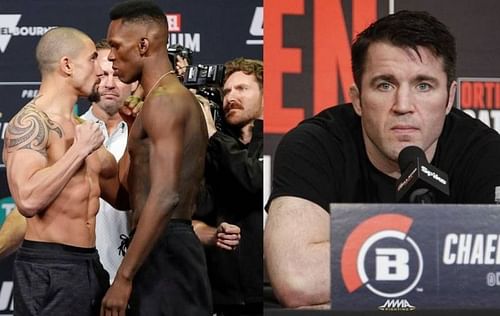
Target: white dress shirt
(110, 223)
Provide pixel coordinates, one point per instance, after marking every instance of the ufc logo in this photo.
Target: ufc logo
(257, 26)
(391, 264)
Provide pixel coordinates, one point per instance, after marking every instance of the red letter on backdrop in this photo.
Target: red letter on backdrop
(331, 56)
(332, 48)
(278, 61)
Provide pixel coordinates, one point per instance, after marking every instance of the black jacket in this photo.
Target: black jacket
(234, 181)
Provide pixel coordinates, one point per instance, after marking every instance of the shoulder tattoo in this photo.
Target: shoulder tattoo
(30, 129)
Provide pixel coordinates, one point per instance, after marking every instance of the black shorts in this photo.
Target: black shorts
(173, 280)
(56, 279)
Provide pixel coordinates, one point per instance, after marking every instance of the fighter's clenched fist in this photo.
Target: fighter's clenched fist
(89, 136)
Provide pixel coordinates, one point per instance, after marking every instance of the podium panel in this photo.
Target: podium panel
(409, 257)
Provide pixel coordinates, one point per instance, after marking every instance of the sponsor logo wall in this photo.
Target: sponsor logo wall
(216, 31)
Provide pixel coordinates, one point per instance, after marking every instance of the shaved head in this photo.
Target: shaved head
(146, 14)
(57, 43)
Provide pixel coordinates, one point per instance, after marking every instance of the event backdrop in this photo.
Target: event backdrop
(306, 54)
(216, 30)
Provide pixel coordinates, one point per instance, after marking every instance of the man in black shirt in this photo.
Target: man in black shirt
(404, 72)
(234, 178)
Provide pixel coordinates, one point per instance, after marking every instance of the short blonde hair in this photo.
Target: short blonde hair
(56, 43)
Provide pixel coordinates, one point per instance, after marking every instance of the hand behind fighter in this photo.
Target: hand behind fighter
(228, 236)
(88, 136)
(205, 107)
(181, 65)
(132, 106)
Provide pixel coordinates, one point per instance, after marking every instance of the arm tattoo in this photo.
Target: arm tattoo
(30, 130)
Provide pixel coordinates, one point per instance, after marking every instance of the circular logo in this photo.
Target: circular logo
(379, 255)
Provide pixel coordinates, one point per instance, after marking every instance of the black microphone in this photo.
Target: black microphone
(420, 182)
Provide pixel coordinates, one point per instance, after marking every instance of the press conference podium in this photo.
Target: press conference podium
(413, 259)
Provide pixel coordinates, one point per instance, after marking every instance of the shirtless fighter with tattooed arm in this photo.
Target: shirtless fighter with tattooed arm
(54, 166)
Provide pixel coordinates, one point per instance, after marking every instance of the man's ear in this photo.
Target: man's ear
(143, 46)
(451, 96)
(355, 98)
(66, 66)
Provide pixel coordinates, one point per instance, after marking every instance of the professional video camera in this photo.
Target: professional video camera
(214, 97)
(196, 76)
(207, 80)
(180, 50)
(204, 76)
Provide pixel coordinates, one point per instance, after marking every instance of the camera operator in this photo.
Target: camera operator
(234, 179)
(225, 236)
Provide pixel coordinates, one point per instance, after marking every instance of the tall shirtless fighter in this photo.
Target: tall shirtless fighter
(54, 165)
(164, 270)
